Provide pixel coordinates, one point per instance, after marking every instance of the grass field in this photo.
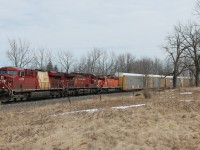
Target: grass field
(169, 120)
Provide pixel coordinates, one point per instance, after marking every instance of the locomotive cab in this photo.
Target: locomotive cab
(7, 77)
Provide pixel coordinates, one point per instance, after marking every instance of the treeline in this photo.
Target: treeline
(96, 61)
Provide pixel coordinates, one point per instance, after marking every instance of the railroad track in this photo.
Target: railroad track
(44, 102)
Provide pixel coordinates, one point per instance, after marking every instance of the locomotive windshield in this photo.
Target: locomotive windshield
(9, 72)
(3, 72)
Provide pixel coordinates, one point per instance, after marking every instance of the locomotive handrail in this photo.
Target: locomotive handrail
(9, 88)
(62, 85)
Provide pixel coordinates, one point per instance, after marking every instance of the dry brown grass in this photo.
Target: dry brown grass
(169, 120)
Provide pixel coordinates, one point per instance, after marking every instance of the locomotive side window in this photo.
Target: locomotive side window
(8, 72)
(12, 72)
(2, 72)
(21, 73)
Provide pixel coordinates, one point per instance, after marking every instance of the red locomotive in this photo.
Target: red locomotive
(22, 84)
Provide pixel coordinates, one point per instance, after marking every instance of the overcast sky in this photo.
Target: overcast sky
(135, 26)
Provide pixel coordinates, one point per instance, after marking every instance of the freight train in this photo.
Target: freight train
(22, 84)
(130, 81)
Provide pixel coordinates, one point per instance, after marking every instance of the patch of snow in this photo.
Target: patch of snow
(186, 93)
(95, 110)
(78, 111)
(172, 97)
(125, 107)
(185, 100)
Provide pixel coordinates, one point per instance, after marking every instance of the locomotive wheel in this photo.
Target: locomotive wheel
(76, 92)
(58, 95)
(24, 98)
(64, 94)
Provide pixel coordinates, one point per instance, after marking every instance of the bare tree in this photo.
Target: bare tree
(175, 49)
(106, 63)
(144, 66)
(125, 62)
(19, 53)
(167, 67)
(81, 66)
(93, 59)
(91, 62)
(49, 66)
(157, 66)
(110, 64)
(97, 61)
(66, 60)
(191, 36)
(197, 8)
(41, 59)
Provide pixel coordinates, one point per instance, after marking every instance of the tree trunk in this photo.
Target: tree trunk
(197, 79)
(174, 81)
(197, 75)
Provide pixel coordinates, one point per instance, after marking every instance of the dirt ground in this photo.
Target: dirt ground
(169, 120)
